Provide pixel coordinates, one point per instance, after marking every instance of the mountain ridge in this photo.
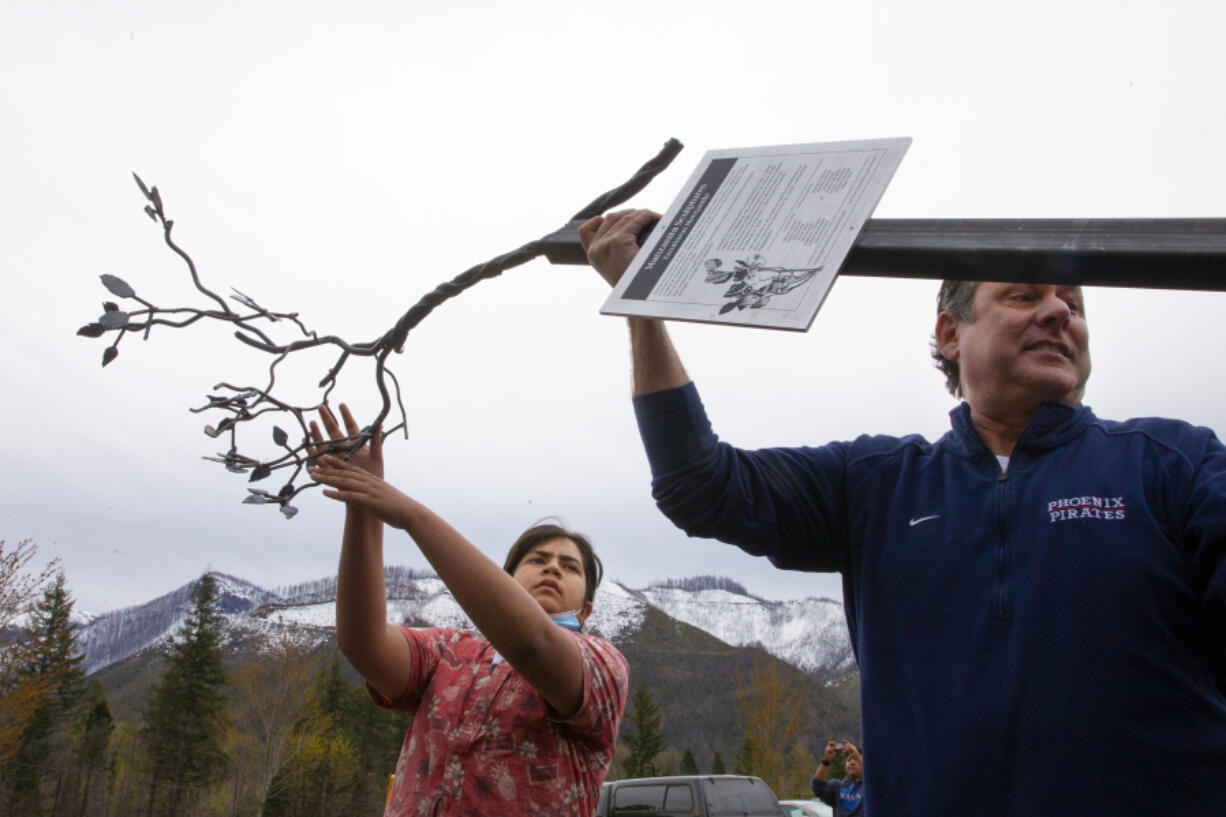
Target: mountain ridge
(810, 634)
(694, 674)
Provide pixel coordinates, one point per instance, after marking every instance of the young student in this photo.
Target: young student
(517, 717)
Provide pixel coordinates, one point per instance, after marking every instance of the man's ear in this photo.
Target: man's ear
(584, 612)
(946, 335)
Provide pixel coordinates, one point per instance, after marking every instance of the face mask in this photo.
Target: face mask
(569, 620)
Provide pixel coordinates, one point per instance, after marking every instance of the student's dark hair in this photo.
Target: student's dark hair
(543, 531)
(958, 299)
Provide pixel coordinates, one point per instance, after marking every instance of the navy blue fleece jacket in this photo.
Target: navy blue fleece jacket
(1052, 638)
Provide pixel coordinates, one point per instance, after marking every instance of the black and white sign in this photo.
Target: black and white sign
(758, 234)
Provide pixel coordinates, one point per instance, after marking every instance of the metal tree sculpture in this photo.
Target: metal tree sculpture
(242, 404)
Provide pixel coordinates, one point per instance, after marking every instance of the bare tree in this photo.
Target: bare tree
(773, 711)
(274, 691)
(21, 693)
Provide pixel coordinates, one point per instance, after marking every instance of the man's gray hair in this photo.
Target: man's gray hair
(958, 299)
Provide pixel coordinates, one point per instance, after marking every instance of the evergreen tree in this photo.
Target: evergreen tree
(377, 735)
(59, 654)
(330, 695)
(645, 738)
(93, 740)
(717, 764)
(743, 763)
(55, 658)
(185, 712)
(688, 764)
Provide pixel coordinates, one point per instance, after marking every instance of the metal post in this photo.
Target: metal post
(1187, 253)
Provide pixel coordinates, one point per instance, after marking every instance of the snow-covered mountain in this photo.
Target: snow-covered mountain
(114, 636)
(807, 633)
(810, 634)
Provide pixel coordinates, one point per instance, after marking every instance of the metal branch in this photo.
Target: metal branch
(243, 404)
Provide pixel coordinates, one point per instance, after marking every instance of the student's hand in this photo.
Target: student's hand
(359, 488)
(611, 241)
(369, 457)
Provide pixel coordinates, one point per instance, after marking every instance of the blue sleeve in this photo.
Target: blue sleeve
(826, 790)
(1206, 539)
(787, 504)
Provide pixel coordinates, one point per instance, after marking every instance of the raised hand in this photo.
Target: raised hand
(359, 487)
(828, 755)
(611, 241)
(369, 457)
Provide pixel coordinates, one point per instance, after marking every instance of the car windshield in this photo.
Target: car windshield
(739, 797)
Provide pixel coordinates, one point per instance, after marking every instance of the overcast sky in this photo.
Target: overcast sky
(340, 161)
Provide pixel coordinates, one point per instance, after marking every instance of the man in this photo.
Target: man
(845, 796)
(1037, 600)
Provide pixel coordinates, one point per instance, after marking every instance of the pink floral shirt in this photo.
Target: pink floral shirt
(484, 743)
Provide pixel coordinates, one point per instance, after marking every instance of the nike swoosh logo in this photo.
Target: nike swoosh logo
(915, 522)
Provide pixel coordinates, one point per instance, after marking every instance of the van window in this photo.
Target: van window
(658, 798)
(638, 798)
(678, 799)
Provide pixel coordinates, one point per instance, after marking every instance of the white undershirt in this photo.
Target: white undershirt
(1004, 463)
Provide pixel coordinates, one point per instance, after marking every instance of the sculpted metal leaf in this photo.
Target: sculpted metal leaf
(258, 496)
(143, 188)
(117, 286)
(114, 320)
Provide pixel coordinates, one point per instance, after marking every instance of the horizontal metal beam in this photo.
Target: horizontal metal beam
(1188, 253)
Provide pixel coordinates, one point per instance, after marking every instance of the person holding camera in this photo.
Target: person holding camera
(845, 796)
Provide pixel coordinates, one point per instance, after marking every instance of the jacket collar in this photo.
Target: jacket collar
(1052, 425)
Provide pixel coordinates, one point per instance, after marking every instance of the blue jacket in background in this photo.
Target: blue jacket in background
(1051, 638)
(844, 796)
